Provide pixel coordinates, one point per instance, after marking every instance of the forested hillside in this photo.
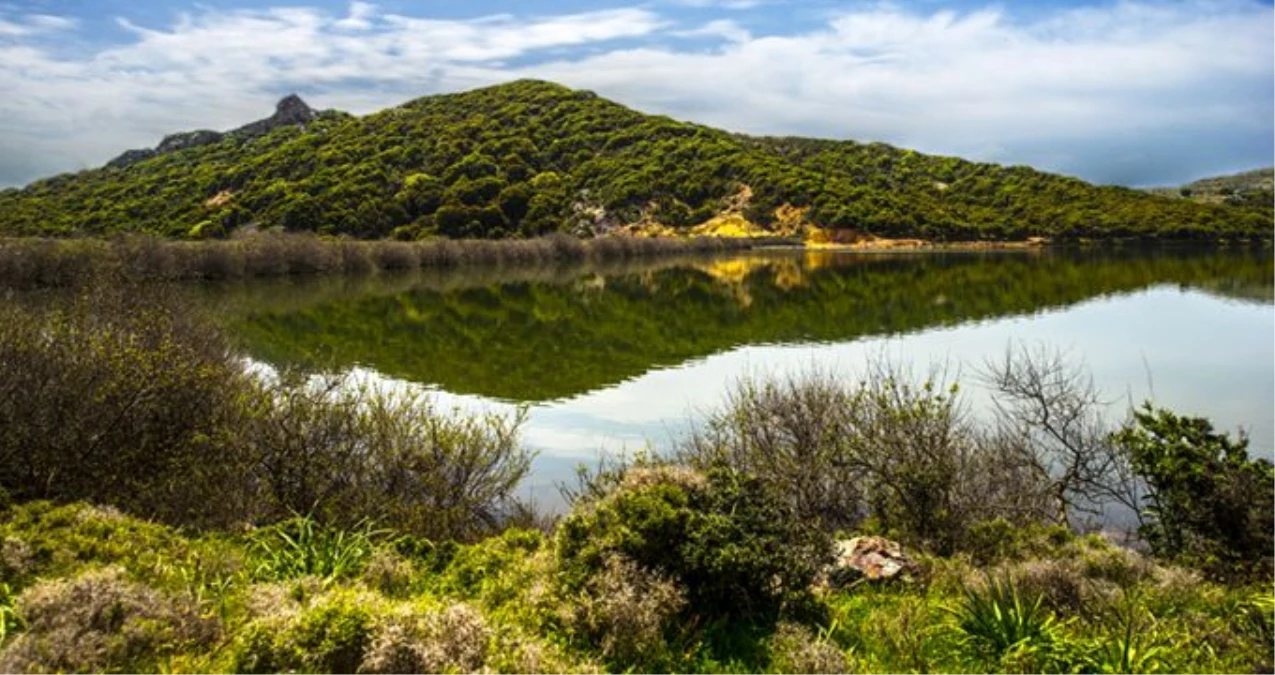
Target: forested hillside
(530, 157)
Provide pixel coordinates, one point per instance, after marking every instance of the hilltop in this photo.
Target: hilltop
(530, 157)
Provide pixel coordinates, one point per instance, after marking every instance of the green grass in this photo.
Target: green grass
(299, 597)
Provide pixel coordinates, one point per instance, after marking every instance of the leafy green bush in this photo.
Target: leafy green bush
(330, 635)
(736, 549)
(1207, 501)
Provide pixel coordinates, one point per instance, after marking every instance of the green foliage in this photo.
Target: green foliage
(736, 549)
(329, 636)
(10, 620)
(526, 157)
(1208, 502)
(996, 620)
(301, 547)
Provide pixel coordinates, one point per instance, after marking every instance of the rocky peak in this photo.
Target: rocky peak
(290, 110)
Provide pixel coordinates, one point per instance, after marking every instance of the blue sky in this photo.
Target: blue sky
(1137, 92)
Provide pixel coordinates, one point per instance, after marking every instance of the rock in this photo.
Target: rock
(290, 110)
(131, 157)
(188, 139)
(871, 558)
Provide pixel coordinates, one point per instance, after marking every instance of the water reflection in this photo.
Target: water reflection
(617, 358)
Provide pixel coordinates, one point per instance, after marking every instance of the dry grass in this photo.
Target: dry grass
(795, 650)
(626, 611)
(36, 263)
(453, 640)
(100, 621)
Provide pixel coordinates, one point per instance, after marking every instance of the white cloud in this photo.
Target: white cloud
(1132, 93)
(1136, 92)
(718, 28)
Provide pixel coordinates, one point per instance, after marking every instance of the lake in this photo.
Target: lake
(617, 358)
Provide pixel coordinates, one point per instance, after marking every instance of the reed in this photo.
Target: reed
(39, 262)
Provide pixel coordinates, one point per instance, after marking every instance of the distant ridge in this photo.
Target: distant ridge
(530, 157)
(1253, 189)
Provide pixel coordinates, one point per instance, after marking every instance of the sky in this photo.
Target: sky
(1135, 92)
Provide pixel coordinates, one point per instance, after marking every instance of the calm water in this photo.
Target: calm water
(616, 359)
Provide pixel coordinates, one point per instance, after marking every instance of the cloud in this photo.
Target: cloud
(1136, 92)
(34, 24)
(724, 29)
(219, 69)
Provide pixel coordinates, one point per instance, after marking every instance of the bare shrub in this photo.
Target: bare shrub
(100, 621)
(627, 610)
(793, 649)
(389, 573)
(29, 263)
(356, 258)
(901, 454)
(344, 453)
(453, 640)
(1052, 413)
(220, 260)
(264, 255)
(565, 248)
(120, 398)
(305, 254)
(794, 433)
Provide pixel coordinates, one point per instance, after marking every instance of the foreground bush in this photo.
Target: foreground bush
(1207, 502)
(122, 397)
(98, 621)
(734, 547)
(96, 590)
(122, 401)
(883, 454)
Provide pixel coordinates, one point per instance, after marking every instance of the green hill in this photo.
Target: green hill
(1254, 190)
(530, 157)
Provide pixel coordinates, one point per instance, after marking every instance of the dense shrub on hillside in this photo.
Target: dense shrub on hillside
(528, 158)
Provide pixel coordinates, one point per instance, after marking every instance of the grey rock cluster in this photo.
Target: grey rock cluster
(290, 110)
